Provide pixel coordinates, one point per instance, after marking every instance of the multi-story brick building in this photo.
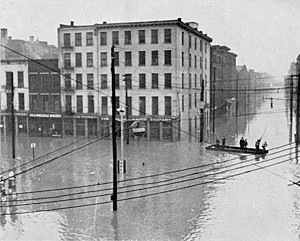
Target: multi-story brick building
(166, 65)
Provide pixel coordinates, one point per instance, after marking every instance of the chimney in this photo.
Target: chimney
(4, 33)
(104, 22)
(72, 23)
(31, 39)
(193, 25)
(179, 19)
(9, 38)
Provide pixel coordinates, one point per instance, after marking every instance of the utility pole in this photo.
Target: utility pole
(114, 142)
(214, 99)
(10, 81)
(126, 108)
(291, 107)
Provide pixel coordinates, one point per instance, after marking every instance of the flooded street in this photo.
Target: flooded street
(170, 191)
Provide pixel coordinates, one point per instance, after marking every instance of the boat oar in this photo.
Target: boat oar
(263, 133)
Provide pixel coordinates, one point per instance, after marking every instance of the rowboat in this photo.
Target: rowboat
(237, 149)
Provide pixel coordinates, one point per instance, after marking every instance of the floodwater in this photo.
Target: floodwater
(170, 191)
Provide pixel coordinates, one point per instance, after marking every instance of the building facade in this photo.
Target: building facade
(166, 68)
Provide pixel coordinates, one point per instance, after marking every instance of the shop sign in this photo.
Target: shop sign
(45, 115)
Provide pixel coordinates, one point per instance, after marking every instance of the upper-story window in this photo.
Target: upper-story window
(89, 59)
(89, 38)
(195, 43)
(190, 41)
(182, 38)
(67, 39)
(168, 36)
(90, 81)
(68, 83)
(67, 60)
(20, 79)
(103, 38)
(168, 81)
(128, 58)
(127, 37)
(103, 81)
(142, 39)
(116, 58)
(201, 45)
(79, 81)
(115, 37)
(205, 48)
(103, 56)
(78, 60)
(78, 39)
(154, 57)
(142, 58)
(168, 57)
(91, 105)
(154, 36)
(142, 81)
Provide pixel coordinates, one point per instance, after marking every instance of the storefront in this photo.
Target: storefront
(45, 125)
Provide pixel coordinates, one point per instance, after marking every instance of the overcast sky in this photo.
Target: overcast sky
(265, 34)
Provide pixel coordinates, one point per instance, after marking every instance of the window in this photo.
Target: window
(89, 38)
(129, 105)
(190, 41)
(79, 103)
(205, 48)
(142, 58)
(90, 104)
(190, 81)
(45, 102)
(56, 100)
(154, 105)
(56, 81)
(142, 81)
(67, 60)
(128, 80)
(32, 102)
(190, 60)
(103, 38)
(201, 45)
(155, 81)
(116, 58)
(78, 60)
(104, 106)
(115, 37)
(205, 63)
(127, 37)
(182, 38)
(195, 100)
(103, 57)
(142, 105)
(154, 57)
(21, 101)
(195, 61)
(195, 43)
(117, 81)
(79, 81)
(68, 103)
(182, 80)
(89, 59)
(168, 37)
(103, 81)
(154, 36)
(67, 39)
(168, 107)
(168, 57)
(201, 63)
(190, 101)
(67, 81)
(182, 58)
(168, 81)
(128, 58)
(141, 36)
(78, 39)
(90, 81)
(195, 80)
(20, 79)
(182, 103)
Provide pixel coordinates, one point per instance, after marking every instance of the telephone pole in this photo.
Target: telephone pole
(114, 142)
(10, 81)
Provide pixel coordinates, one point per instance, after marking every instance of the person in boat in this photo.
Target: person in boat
(264, 146)
(217, 142)
(242, 143)
(257, 143)
(245, 143)
(223, 140)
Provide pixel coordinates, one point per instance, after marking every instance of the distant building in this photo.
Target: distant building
(34, 49)
(223, 78)
(45, 117)
(166, 65)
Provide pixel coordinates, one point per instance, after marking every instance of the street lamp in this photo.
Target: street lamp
(121, 111)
